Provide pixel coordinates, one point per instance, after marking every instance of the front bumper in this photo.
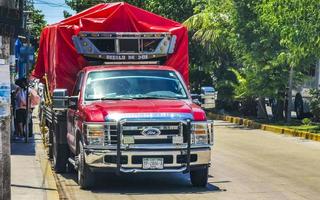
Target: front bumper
(175, 157)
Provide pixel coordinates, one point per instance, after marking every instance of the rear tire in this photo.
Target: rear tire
(60, 156)
(50, 135)
(85, 176)
(199, 177)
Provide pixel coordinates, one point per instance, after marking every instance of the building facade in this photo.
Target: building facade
(11, 18)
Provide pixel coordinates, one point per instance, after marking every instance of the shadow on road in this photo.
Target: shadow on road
(31, 187)
(136, 184)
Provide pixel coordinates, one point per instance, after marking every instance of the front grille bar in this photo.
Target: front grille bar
(118, 148)
(189, 145)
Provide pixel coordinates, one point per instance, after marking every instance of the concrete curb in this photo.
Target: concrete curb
(47, 174)
(274, 129)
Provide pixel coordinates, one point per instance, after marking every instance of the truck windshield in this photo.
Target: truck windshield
(134, 84)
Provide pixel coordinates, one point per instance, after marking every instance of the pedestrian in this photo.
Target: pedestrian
(34, 100)
(21, 106)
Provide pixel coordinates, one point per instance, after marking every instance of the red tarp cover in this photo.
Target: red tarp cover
(59, 59)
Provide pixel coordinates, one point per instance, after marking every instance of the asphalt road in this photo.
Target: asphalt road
(247, 164)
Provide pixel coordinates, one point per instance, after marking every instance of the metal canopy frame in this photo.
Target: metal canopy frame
(108, 45)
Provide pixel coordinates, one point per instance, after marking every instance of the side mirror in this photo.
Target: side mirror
(208, 97)
(60, 99)
(73, 102)
(195, 99)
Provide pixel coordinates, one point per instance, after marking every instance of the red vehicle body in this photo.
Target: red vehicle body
(132, 115)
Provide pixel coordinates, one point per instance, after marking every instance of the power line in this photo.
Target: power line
(51, 4)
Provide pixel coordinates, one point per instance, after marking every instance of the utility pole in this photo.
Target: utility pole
(5, 175)
(27, 12)
(5, 166)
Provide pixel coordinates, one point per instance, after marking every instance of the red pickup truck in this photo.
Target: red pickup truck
(120, 100)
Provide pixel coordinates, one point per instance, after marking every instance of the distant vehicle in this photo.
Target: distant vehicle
(208, 97)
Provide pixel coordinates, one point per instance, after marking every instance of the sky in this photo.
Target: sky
(52, 9)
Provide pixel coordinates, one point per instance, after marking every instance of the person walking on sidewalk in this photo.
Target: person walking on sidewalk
(21, 106)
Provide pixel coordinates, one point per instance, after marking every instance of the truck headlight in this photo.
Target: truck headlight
(202, 132)
(95, 133)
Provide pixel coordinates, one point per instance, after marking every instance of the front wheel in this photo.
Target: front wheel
(199, 177)
(85, 176)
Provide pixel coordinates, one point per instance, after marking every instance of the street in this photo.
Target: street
(247, 164)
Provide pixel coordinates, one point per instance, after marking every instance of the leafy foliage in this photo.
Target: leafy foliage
(297, 23)
(315, 104)
(210, 48)
(80, 5)
(306, 121)
(245, 48)
(36, 24)
(258, 49)
(178, 10)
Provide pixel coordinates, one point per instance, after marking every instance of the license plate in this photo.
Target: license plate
(177, 140)
(152, 163)
(128, 140)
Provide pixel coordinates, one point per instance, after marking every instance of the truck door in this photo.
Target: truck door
(73, 116)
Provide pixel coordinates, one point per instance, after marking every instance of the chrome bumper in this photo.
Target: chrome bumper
(95, 157)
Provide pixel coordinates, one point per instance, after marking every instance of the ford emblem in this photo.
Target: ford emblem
(151, 132)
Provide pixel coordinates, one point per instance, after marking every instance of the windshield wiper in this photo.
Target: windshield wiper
(116, 98)
(110, 98)
(154, 97)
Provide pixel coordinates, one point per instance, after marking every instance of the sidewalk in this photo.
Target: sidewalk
(31, 175)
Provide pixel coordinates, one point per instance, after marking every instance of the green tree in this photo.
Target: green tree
(239, 45)
(80, 5)
(257, 50)
(178, 10)
(36, 23)
(297, 24)
(211, 47)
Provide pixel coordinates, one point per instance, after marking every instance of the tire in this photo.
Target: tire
(60, 156)
(85, 176)
(298, 106)
(50, 148)
(199, 177)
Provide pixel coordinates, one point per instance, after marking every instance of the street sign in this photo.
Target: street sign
(4, 90)
(26, 57)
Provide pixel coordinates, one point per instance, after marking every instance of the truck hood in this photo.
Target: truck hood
(104, 110)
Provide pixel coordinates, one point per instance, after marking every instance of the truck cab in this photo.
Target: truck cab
(136, 119)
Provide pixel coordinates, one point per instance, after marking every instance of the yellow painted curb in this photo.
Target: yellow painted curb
(274, 129)
(47, 174)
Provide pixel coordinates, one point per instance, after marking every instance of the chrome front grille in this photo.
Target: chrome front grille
(134, 130)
